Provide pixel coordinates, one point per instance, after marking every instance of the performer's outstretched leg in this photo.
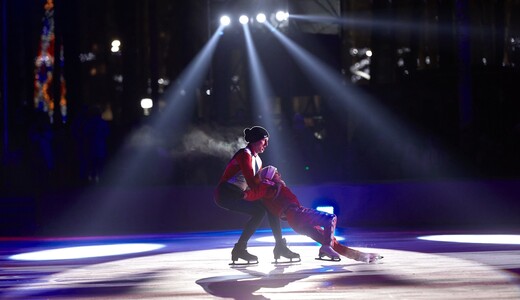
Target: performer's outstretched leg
(320, 227)
(317, 225)
(355, 254)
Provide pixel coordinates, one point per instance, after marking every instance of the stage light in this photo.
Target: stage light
(115, 46)
(282, 16)
(116, 43)
(243, 19)
(146, 103)
(326, 208)
(225, 21)
(86, 252)
(327, 205)
(260, 18)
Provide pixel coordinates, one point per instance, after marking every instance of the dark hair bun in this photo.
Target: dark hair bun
(255, 133)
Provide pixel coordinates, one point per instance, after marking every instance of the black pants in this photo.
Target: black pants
(229, 196)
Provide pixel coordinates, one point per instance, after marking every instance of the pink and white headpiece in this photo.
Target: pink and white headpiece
(268, 172)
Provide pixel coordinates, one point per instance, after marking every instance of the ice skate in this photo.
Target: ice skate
(281, 250)
(356, 255)
(239, 252)
(369, 258)
(329, 254)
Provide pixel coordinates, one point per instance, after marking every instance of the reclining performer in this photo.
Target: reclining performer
(319, 226)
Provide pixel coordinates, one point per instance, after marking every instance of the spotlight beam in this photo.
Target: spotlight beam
(179, 104)
(189, 80)
(392, 135)
(131, 160)
(262, 91)
(381, 24)
(347, 98)
(262, 101)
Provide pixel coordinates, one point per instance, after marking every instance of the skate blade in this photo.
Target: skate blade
(287, 262)
(249, 263)
(328, 258)
(243, 264)
(376, 259)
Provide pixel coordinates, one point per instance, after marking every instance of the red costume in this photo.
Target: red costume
(239, 176)
(282, 202)
(319, 226)
(240, 171)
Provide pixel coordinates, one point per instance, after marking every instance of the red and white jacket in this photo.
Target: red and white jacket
(239, 171)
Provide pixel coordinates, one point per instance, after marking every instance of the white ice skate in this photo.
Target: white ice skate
(329, 254)
(369, 258)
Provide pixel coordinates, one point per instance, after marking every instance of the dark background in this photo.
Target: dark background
(447, 70)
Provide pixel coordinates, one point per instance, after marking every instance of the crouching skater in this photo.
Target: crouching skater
(319, 226)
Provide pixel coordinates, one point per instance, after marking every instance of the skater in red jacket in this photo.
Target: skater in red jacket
(240, 175)
(319, 226)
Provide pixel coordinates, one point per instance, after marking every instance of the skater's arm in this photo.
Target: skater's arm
(266, 189)
(255, 193)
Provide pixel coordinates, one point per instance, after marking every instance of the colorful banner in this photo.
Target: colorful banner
(44, 64)
(63, 88)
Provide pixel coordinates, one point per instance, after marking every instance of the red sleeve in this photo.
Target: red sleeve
(262, 191)
(256, 193)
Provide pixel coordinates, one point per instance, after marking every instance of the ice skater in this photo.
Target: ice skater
(241, 174)
(319, 226)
